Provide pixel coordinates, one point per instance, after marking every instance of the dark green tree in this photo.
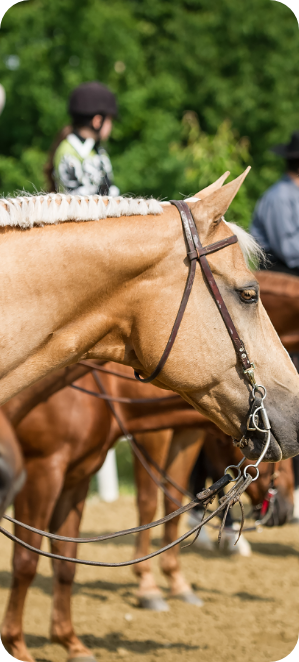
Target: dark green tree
(231, 64)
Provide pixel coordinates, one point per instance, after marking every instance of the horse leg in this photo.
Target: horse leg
(33, 506)
(157, 445)
(184, 449)
(66, 522)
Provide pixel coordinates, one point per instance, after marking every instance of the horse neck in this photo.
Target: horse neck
(71, 286)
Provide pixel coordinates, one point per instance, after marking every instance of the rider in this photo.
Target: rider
(78, 164)
(275, 223)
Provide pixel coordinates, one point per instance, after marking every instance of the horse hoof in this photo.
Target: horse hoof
(190, 598)
(154, 603)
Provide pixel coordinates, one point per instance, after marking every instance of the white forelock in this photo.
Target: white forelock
(45, 209)
(253, 253)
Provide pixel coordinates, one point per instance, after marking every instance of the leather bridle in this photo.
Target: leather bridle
(197, 253)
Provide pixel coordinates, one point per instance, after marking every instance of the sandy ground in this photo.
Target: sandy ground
(250, 613)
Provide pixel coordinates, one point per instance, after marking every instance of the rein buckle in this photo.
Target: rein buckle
(250, 374)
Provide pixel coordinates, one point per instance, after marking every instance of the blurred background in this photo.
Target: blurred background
(202, 85)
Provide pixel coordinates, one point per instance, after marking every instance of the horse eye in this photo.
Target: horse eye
(249, 296)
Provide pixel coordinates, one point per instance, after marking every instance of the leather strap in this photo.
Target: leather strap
(126, 401)
(175, 328)
(137, 449)
(197, 253)
(201, 256)
(96, 366)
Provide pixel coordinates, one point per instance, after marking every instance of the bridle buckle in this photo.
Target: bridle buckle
(249, 372)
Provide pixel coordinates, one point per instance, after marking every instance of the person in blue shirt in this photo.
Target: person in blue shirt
(275, 223)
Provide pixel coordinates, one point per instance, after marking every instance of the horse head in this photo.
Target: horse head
(203, 366)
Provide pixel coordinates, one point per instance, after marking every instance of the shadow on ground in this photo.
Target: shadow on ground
(33, 641)
(45, 585)
(250, 596)
(115, 640)
(274, 549)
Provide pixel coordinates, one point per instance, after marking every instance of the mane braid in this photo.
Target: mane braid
(27, 211)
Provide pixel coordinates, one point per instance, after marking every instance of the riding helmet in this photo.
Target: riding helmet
(94, 98)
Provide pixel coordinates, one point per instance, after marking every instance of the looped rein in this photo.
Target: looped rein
(197, 253)
(204, 498)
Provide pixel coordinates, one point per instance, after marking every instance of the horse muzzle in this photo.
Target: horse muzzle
(253, 447)
(284, 437)
(258, 441)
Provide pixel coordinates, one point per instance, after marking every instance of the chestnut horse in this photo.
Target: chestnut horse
(176, 456)
(12, 474)
(110, 290)
(280, 296)
(64, 441)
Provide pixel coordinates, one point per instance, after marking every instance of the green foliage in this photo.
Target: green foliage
(204, 157)
(221, 59)
(25, 173)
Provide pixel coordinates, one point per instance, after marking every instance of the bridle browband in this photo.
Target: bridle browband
(197, 253)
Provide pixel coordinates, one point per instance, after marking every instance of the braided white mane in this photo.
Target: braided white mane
(45, 209)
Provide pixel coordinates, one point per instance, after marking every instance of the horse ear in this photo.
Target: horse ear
(208, 212)
(210, 189)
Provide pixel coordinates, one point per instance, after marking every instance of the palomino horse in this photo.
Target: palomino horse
(110, 290)
(65, 440)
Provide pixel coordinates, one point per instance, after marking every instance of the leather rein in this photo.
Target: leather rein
(144, 457)
(196, 253)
